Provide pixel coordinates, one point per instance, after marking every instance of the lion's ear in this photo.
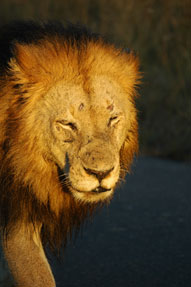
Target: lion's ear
(24, 64)
(40, 62)
(26, 57)
(34, 62)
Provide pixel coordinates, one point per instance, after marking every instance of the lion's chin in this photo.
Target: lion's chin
(94, 196)
(97, 195)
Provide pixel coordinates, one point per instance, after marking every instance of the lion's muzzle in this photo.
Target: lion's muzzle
(99, 174)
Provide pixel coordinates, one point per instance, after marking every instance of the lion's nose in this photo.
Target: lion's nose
(98, 173)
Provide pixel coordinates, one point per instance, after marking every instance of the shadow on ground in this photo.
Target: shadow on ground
(143, 238)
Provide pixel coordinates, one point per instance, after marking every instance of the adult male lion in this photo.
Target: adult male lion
(68, 132)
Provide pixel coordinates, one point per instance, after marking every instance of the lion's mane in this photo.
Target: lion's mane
(33, 57)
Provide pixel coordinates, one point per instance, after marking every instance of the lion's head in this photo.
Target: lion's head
(68, 120)
(88, 127)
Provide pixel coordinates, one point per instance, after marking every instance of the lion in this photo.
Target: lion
(68, 134)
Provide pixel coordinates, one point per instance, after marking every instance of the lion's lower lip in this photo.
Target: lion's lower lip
(100, 190)
(97, 190)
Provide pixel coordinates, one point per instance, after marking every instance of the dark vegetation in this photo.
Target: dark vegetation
(160, 32)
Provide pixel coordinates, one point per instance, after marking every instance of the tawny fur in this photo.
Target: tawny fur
(31, 191)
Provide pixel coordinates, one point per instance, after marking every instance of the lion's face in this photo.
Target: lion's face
(85, 136)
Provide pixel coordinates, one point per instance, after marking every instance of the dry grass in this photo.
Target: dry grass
(160, 31)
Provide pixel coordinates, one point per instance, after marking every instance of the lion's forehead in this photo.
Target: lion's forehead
(99, 95)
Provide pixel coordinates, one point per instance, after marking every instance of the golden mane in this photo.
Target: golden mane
(31, 191)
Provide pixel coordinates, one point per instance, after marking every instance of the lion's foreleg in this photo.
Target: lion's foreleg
(27, 260)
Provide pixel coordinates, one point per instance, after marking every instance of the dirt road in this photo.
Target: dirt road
(142, 239)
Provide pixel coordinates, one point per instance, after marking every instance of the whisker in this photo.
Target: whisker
(124, 169)
(62, 175)
(121, 179)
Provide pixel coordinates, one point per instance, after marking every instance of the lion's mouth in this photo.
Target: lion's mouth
(98, 194)
(66, 183)
(98, 190)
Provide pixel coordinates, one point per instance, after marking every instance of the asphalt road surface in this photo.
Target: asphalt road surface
(142, 239)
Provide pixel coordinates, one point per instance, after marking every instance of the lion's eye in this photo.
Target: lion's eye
(67, 125)
(113, 121)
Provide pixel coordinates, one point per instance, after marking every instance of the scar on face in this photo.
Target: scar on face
(81, 107)
(110, 107)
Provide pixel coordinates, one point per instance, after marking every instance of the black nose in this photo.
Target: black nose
(99, 174)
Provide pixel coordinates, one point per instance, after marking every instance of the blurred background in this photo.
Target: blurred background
(160, 32)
